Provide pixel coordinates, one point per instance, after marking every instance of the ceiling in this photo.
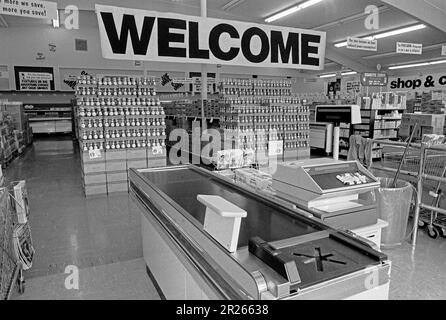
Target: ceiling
(339, 18)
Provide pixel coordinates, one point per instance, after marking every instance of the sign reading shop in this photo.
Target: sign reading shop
(132, 34)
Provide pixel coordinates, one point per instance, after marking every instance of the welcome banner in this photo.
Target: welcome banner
(133, 34)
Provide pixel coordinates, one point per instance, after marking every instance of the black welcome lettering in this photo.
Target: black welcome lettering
(290, 49)
(214, 42)
(307, 49)
(246, 45)
(194, 41)
(118, 43)
(165, 37)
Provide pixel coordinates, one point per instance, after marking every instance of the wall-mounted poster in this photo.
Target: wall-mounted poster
(34, 78)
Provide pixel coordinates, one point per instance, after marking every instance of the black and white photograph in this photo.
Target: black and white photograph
(214, 158)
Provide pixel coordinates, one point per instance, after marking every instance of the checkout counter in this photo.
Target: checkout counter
(340, 193)
(205, 237)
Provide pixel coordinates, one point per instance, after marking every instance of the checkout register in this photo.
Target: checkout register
(339, 193)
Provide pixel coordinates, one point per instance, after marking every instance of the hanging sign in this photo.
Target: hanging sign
(362, 44)
(132, 34)
(374, 79)
(409, 48)
(421, 83)
(29, 8)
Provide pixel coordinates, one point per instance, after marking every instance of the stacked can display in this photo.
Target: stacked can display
(121, 126)
(256, 113)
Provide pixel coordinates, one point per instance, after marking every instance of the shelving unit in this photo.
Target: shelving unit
(50, 118)
(263, 112)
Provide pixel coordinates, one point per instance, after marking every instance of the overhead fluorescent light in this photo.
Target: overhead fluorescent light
(332, 75)
(438, 62)
(292, 10)
(56, 23)
(414, 65)
(386, 34)
(349, 73)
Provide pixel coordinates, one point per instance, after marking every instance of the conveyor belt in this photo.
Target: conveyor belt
(264, 220)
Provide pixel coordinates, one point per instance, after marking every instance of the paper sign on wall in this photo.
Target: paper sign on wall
(443, 50)
(409, 48)
(362, 44)
(29, 8)
(133, 34)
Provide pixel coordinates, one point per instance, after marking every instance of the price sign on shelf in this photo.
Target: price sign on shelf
(94, 154)
(157, 150)
(275, 148)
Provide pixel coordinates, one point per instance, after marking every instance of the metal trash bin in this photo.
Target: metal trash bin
(394, 207)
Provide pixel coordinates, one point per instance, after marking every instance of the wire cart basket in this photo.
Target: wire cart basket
(434, 164)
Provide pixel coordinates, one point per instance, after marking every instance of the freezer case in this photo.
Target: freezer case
(281, 253)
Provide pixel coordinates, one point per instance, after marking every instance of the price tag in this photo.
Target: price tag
(275, 148)
(94, 154)
(157, 150)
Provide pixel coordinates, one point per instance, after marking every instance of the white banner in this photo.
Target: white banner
(409, 48)
(132, 34)
(362, 44)
(29, 8)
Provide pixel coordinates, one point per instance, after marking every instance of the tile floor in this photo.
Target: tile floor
(102, 236)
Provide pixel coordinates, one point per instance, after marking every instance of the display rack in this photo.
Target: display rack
(264, 113)
(121, 125)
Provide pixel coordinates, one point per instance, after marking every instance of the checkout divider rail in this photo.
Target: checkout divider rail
(421, 177)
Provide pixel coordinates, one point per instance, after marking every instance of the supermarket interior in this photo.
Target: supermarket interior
(223, 150)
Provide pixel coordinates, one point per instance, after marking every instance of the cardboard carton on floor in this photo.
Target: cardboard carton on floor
(117, 187)
(116, 165)
(120, 176)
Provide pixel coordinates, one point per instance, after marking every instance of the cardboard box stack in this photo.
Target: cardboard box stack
(121, 127)
(432, 104)
(427, 124)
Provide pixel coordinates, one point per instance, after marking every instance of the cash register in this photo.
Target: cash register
(340, 193)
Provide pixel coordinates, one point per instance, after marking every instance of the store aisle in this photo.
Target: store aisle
(67, 228)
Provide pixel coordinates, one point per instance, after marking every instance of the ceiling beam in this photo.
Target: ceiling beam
(335, 56)
(421, 10)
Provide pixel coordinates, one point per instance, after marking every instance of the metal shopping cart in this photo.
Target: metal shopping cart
(434, 165)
